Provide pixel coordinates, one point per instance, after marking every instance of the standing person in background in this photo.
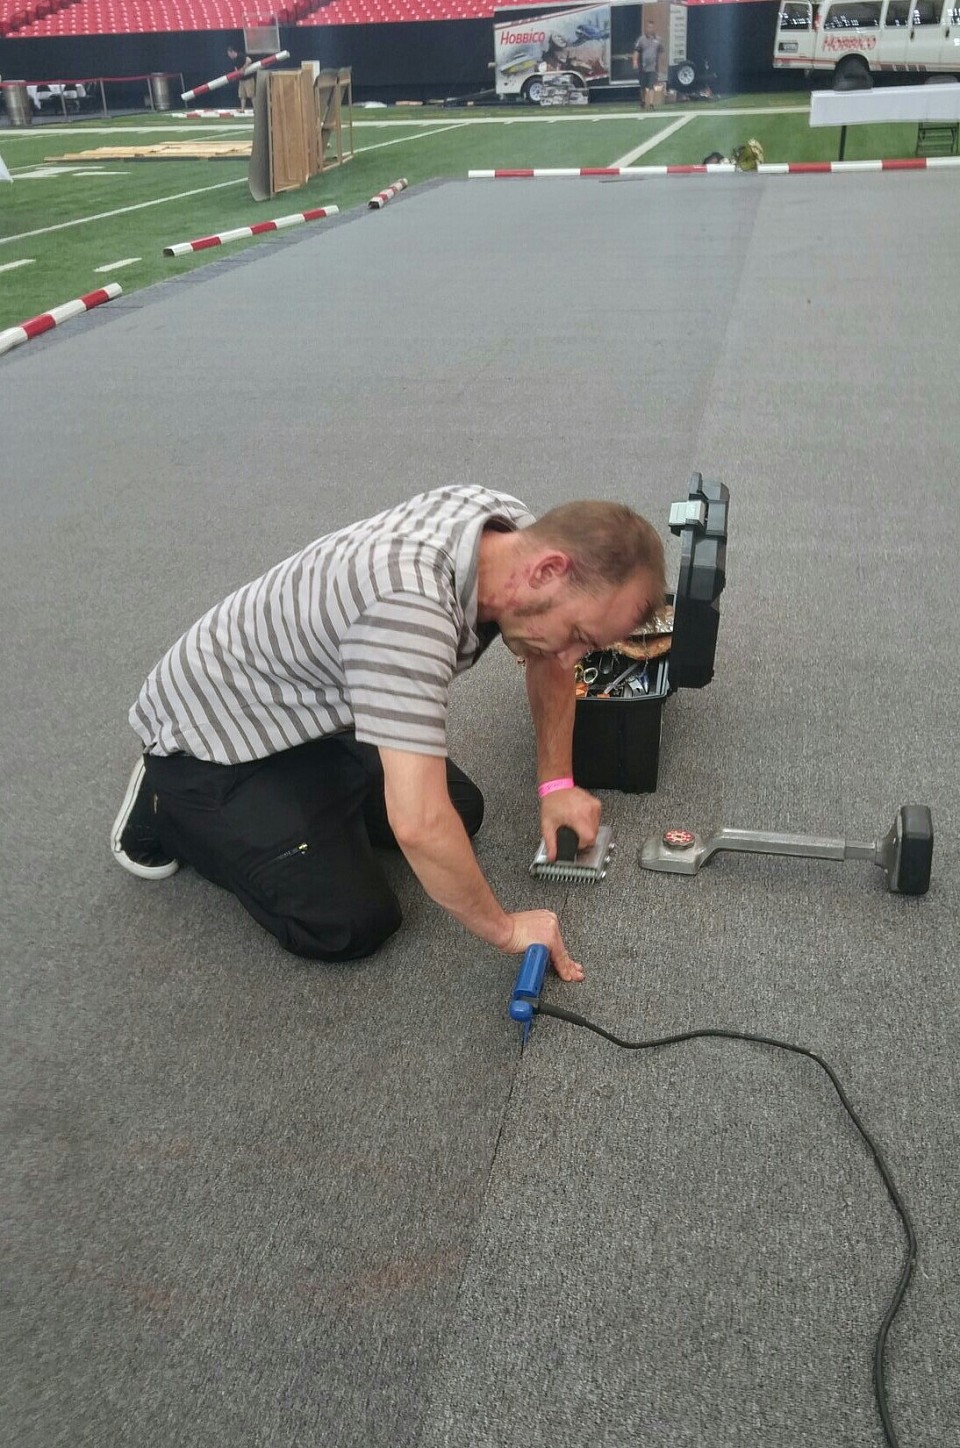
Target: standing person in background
(247, 85)
(648, 50)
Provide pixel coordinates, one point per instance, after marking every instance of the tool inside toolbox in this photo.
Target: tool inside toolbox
(610, 674)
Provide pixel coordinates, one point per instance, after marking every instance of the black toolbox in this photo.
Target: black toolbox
(616, 741)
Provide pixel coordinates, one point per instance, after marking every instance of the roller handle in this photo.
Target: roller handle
(568, 843)
(529, 983)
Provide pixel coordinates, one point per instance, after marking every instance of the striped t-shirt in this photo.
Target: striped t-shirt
(363, 629)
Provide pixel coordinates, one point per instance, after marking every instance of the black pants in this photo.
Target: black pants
(292, 837)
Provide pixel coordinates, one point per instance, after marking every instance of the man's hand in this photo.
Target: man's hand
(431, 835)
(573, 807)
(541, 927)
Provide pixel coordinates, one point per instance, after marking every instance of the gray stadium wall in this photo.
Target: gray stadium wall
(417, 61)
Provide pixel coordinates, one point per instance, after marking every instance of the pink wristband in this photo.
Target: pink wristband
(552, 785)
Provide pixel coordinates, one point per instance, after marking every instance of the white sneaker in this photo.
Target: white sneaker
(134, 840)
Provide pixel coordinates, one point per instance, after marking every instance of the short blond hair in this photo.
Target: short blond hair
(607, 543)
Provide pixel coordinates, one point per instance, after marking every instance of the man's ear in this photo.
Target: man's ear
(549, 567)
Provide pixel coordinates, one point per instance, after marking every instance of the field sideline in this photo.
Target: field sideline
(66, 229)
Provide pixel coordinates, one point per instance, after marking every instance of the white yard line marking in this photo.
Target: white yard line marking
(12, 265)
(122, 210)
(116, 265)
(453, 121)
(41, 173)
(639, 151)
(220, 128)
(45, 173)
(61, 131)
(612, 115)
(11, 138)
(756, 111)
(398, 140)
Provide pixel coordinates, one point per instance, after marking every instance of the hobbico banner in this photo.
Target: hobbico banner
(568, 40)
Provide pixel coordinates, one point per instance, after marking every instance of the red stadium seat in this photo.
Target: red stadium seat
(119, 17)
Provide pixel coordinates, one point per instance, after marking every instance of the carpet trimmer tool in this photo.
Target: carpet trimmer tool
(573, 864)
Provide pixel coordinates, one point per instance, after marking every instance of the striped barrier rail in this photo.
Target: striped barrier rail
(211, 115)
(221, 80)
(36, 326)
(721, 168)
(376, 203)
(181, 248)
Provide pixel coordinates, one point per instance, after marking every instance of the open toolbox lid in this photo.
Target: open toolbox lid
(701, 522)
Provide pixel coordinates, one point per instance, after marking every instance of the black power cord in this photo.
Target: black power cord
(879, 1378)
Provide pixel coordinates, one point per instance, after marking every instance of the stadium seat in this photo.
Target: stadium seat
(119, 17)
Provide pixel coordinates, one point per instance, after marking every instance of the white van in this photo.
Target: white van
(857, 38)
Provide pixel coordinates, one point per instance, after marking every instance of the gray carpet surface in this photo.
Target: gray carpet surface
(250, 1201)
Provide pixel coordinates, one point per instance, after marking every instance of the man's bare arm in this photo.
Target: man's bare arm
(553, 702)
(432, 837)
(550, 691)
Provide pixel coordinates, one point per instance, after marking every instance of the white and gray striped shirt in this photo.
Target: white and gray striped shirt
(363, 629)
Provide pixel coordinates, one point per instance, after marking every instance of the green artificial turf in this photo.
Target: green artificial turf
(87, 215)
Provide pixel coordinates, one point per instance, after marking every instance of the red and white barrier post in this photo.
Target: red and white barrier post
(382, 197)
(723, 168)
(222, 80)
(181, 248)
(14, 336)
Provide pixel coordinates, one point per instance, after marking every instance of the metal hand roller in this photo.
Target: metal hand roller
(905, 853)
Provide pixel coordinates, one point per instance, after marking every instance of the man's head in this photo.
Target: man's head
(580, 578)
(650, 30)
(233, 52)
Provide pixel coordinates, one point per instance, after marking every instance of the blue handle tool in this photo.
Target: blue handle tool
(529, 983)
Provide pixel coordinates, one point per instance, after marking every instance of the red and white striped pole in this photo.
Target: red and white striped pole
(222, 80)
(723, 168)
(14, 336)
(181, 248)
(382, 197)
(209, 115)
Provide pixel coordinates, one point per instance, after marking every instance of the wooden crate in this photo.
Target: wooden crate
(299, 127)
